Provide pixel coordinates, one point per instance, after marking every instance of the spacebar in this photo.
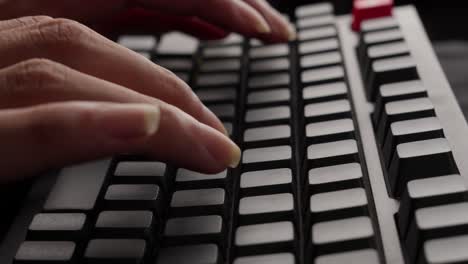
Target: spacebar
(77, 187)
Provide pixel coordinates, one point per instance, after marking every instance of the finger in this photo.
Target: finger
(56, 135)
(62, 40)
(279, 25)
(22, 21)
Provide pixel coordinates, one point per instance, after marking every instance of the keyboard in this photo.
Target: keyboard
(353, 146)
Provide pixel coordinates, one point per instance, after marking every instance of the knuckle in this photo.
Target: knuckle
(63, 32)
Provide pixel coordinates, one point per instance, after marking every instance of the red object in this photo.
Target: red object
(368, 9)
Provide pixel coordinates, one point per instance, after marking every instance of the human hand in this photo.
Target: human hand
(67, 95)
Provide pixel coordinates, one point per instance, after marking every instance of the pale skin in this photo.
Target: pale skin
(68, 94)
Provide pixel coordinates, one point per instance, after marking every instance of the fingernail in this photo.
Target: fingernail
(292, 35)
(130, 121)
(235, 156)
(262, 26)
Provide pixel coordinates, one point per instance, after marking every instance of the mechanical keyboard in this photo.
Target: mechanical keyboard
(354, 151)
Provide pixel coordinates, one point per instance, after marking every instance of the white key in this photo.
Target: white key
(138, 42)
(177, 43)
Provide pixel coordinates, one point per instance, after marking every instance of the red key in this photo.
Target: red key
(368, 9)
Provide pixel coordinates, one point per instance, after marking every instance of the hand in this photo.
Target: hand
(67, 95)
(208, 19)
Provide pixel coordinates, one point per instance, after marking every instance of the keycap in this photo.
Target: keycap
(194, 229)
(276, 258)
(267, 133)
(200, 200)
(325, 92)
(332, 153)
(429, 192)
(269, 96)
(252, 238)
(116, 250)
(224, 64)
(377, 37)
(383, 71)
(269, 80)
(410, 130)
(315, 21)
(267, 114)
(403, 110)
(317, 46)
(333, 130)
(320, 60)
(57, 226)
(367, 256)
(332, 236)
(223, 110)
(395, 92)
(192, 254)
(321, 75)
(267, 51)
(217, 79)
(335, 109)
(124, 222)
(377, 24)
(370, 9)
(314, 9)
(383, 51)
(77, 187)
(420, 159)
(138, 42)
(265, 181)
(273, 207)
(435, 222)
(45, 251)
(335, 177)
(338, 204)
(267, 65)
(175, 64)
(445, 250)
(184, 175)
(216, 94)
(177, 43)
(222, 51)
(232, 38)
(268, 154)
(133, 196)
(141, 172)
(317, 33)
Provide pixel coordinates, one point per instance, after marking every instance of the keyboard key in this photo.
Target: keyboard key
(333, 236)
(429, 192)
(420, 159)
(269, 80)
(232, 38)
(325, 92)
(138, 42)
(367, 256)
(336, 177)
(216, 94)
(177, 43)
(175, 64)
(378, 37)
(202, 200)
(251, 238)
(140, 168)
(223, 110)
(277, 258)
(195, 229)
(133, 196)
(56, 226)
(193, 254)
(273, 207)
(267, 51)
(378, 24)
(269, 96)
(269, 154)
(333, 130)
(267, 133)
(321, 60)
(222, 51)
(366, 10)
(445, 250)
(338, 204)
(383, 51)
(332, 153)
(45, 252)
(317, 33)
(321, 75)
(328, 110)
(116, 250)
(265, 181)
(317, 46)
(124, 222)
(267, 65)
(268, 114)
(217, 79)
(314, 9)
(184, 175)
(220, 65)
(78, 187)
(315, 21)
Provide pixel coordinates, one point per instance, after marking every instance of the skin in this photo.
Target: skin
(68, 94)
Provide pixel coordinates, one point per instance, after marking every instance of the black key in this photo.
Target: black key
(259, 238)
(325, 111)
(317, 33)
(367, 256)
(269, 65)
(125, 223)
(420, 159)
(133, 196)
(266, 181)
(150, 172)
(395, 92)
(403, 110)
(205, 201)
(316, 46)
(336, 177)
(45, 252)
(269, 96)
(314, 9)
(193, 254)
(429, 192)
(333, 130)
(273, 207)
(323, 75)
(316, 21)
(332, 153)
(338, 204)
(78, 187)
(383, 51)
(194, 229)
(267, 51)
(383, 71)
(445, 250)
(210, 95)
(325, 92)
(57, 226)
(115, 251)
(435, 222)
(269, 80)
(267, 155)
(410, 130)
(342, 235)
(269, 133)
